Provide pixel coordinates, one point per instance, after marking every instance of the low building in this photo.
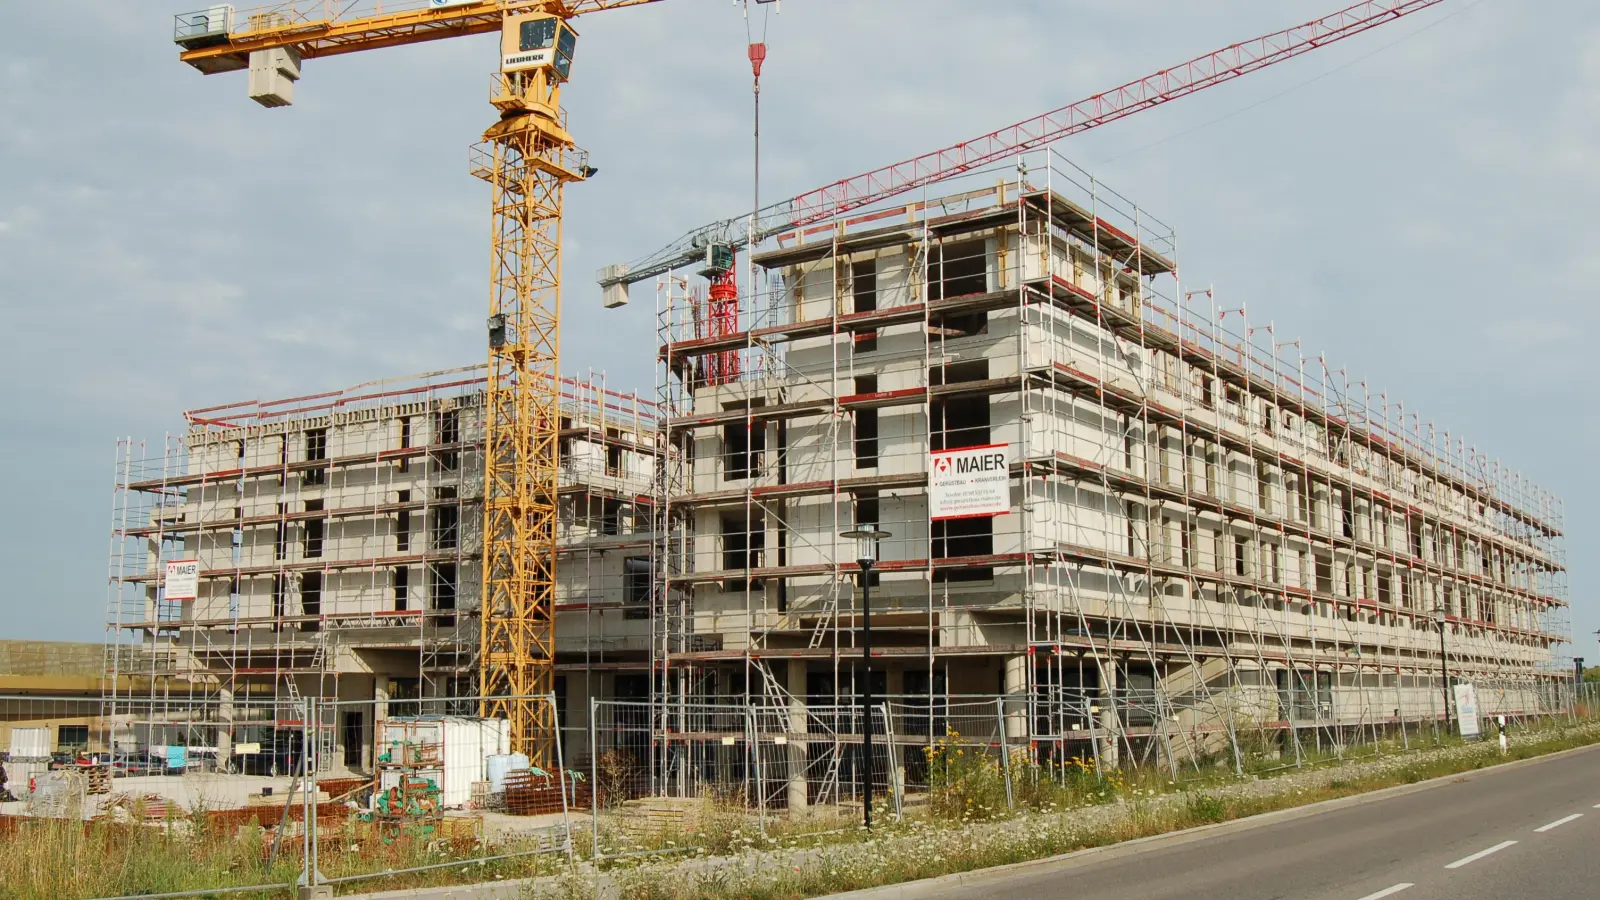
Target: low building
(338, 540)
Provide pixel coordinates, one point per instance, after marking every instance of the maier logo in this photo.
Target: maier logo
(970, 482)
(989, 462)
(183, 579)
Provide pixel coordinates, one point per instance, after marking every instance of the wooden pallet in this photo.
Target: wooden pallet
(99, 779)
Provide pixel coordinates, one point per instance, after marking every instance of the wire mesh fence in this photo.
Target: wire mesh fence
(238, 796)
(263, 797)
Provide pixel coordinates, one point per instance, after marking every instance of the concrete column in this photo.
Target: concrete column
(798, 749)
(225, 713)
(578, 710)
(380, 697)
(1110, 722)
(1016, 703)
(604, 685)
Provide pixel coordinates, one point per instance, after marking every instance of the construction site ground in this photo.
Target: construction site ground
(856, 860)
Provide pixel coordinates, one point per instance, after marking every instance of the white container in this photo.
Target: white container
(30, 743)
(20, 774)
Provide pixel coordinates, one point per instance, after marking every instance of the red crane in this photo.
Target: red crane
(712, 243)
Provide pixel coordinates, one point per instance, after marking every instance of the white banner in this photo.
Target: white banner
(1467, 710)
(970, 482)
(183, 579)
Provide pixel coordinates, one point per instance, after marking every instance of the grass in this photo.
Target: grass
(55, 859)
(790, 869)
(721, 851)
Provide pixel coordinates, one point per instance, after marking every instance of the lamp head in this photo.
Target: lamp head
(866, 539)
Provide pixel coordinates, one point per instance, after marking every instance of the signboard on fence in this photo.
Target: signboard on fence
(183, 579)
(970, 482)
(1467, 710)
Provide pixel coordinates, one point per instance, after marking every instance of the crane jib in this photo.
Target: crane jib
(1153, 90)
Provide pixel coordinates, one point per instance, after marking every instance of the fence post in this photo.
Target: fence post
(561, 780)
(594, 787)
(310, 887)
(753, 735)
(1433, 716)
(1005, 750)
(1233, 738)
(1091, 711)
(1163, 711)
(896, 782)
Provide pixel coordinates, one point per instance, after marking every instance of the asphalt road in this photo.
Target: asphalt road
(1525, 832)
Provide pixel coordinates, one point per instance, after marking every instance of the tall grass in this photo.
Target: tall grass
(932, 846)
(57, 859)
(721, 849)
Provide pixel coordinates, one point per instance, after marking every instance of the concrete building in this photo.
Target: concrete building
(1199, 530)
(338, 540)
(1206, 530)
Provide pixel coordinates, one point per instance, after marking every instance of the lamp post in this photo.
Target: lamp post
(1444, 664)
(866, 538)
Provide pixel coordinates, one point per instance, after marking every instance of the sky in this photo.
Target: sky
(1416, 202)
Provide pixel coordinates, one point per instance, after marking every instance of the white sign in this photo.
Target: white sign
(970, 482)
(1467, 710)
(531, 59)
(183, 579)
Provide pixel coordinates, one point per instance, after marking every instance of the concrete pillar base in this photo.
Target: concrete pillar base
(1016, 702)
(797, 793)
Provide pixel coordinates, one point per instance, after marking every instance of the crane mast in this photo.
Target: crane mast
(528, 159)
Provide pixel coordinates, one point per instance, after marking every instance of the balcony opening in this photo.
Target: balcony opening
(866, 434)
(962, 538)
(743, 540)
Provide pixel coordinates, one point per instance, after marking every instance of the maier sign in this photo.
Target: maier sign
(183, 579)
(970, 482)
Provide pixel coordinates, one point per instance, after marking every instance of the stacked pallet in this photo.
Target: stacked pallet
(656, 815)
(99, 778)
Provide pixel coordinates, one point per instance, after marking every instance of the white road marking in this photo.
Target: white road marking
(1558, 823)
(1479, 855)
(1389, 891)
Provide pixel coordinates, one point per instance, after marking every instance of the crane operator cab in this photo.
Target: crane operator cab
(537, 41)
(535, 60)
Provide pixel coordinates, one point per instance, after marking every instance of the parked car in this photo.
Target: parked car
(124, 764)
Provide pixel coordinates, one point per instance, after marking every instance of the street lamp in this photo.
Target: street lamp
(1444, 663)
(866, 538)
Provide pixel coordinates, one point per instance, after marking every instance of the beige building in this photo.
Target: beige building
(1198, 529)
(1203, 528)
(339, 543)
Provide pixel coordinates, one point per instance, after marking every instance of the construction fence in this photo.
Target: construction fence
(266, 797)
(263, 798)
(679, 776)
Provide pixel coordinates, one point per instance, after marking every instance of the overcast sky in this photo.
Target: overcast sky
(1419, 202)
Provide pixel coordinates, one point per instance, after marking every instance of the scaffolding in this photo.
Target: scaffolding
(1211, 532)
(338, 537)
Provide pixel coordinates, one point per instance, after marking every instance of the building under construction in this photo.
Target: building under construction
(338, 539)
(1203, 529)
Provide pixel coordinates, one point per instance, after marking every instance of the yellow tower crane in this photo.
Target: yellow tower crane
(528, 159)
